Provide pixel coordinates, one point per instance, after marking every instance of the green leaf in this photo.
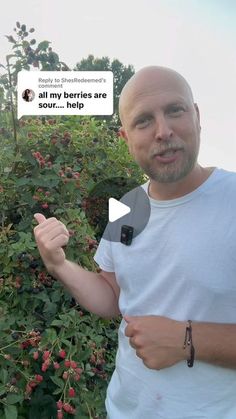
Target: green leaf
(14, 398)
(51, 334)
(2, 391)
(57, 391)
(58, 381)
(23, 181)
(10, 412)
(57, 323)
(3, 375)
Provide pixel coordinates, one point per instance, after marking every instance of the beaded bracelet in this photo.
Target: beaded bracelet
(188, 341)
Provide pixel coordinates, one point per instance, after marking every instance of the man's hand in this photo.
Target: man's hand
(51, 235)
(158, 341)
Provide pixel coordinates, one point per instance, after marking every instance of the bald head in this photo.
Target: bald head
(148, 79)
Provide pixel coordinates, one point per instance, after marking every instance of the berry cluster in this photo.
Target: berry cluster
(33, 339)
(67, 407)
(32, 383)
(42, 161)
(57, 139)
(45, 279)
(70, 372)
(68, 174)
(97, 359)
(91, 243)
(43, 197)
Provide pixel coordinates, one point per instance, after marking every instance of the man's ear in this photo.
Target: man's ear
(198, 114)
(122, 133)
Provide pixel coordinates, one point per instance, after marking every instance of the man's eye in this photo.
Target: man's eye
(176, 110)
(143, 122)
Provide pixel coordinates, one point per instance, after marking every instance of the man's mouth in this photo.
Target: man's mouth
(167, 153)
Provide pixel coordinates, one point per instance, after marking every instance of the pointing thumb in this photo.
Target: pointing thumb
(39, 218)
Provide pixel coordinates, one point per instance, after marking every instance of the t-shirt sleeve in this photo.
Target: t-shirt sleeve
(103, 256)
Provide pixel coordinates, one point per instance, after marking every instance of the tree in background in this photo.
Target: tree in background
(121, 74)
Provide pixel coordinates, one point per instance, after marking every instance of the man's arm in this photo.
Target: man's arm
(96, 292)
(158, 341)
(215, 343)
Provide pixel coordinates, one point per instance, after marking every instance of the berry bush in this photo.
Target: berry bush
(56, 359)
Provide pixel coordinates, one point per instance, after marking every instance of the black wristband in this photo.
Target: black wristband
(188, 340)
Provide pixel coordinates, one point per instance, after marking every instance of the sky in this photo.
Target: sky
(194, 37)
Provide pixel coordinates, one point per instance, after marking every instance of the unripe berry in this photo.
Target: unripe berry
(67, 363)
(46, 355)
(62, 354)
(56, 365)
(71, 392)
(73, 364)
(38, 378)
(65, 375)
(59, 414)
(44, 367)
(59, 404)
(67, 407)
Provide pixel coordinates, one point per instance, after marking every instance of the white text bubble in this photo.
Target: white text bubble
(65, 93)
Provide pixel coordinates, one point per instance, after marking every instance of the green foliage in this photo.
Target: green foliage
(54, 355)
(58, 161)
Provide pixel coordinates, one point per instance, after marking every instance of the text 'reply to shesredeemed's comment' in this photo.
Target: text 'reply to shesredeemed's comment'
(65, 93)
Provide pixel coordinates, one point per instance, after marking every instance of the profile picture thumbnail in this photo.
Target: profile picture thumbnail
(28, 95)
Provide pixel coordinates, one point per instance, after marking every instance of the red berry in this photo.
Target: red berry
(67, 363)
(67, 407)
(59, 414)
(62, 354)
(73, 364)
(65, 375)
(59, 404)
(77, 377)
(32, 384)
(56, 365)
(28, 389)
(38, 378)
(35, 355)
(46, 355)
(71, 392)
(44, 367)
(45, 205)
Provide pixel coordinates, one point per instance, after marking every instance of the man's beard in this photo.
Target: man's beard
(171, 172)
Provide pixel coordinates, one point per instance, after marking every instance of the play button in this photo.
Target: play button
(117, 210)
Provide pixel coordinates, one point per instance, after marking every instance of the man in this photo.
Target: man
(181, 267)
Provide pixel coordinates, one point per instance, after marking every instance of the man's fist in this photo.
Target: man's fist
(157, 340)
(51, 235)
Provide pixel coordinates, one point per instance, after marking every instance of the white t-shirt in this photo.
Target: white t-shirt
(182, 266)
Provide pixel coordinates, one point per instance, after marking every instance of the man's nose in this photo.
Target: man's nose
(163, 130)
